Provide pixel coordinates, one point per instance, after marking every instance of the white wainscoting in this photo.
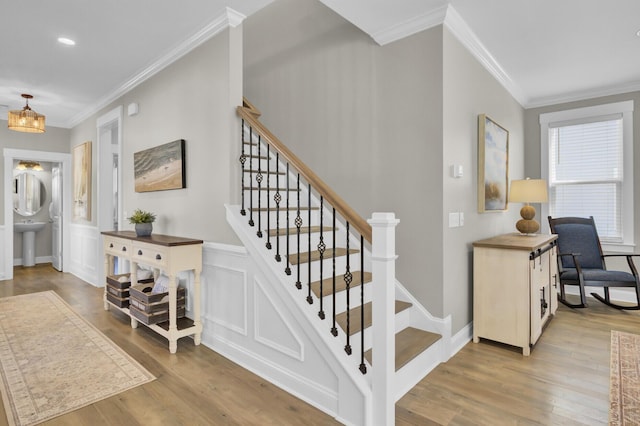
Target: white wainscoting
(84, 248)
(3, 271)
(252, 321)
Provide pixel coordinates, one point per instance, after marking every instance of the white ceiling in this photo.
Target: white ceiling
(543, 51)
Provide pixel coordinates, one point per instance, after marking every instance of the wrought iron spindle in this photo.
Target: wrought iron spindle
(243, 159)
(277, 198)
(347, 279)
(309, 298)
(259, 178)
(321, 248)
(268, 196)
(363, 366)
(334, 329)
(250, 176)
(298, 223)
(287, 270)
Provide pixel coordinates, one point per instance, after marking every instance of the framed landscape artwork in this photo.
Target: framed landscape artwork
(81, 169)
(160, 168)
(493, 165)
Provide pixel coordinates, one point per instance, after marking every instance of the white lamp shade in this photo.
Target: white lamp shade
(528, 191)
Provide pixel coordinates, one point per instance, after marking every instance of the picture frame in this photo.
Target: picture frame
(81, 169)
(493, 165)
(160, 168)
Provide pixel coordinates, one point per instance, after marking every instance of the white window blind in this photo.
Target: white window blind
(586, 175)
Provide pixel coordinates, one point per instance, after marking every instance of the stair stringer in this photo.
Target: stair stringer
(349, 401)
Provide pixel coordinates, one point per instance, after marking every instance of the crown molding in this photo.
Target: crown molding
(410, 26)
(459, 28)
(583, 94)
(228, 18)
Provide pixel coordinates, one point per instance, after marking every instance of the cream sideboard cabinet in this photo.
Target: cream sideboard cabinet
(514, 288)
(164, 253)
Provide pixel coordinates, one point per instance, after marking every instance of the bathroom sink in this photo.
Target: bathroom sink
(28, 230)
(28, 226)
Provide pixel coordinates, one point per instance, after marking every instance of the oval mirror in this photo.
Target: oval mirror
(29, 194)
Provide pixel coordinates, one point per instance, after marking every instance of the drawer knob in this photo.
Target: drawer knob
(158, 257)
(139, 252)
(111, 245)
(124, 249)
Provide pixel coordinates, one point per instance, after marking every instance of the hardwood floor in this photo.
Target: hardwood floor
(565, 381)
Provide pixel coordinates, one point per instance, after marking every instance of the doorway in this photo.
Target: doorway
(63, 162)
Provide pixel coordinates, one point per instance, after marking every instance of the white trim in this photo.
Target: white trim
(582, 95)
(228, 18)
(211, 316)
(626, 109)
(459, 28)
(411, 26)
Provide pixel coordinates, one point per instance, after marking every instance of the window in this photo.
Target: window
(587, 159)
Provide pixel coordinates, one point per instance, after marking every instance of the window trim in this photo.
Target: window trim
(625, 108)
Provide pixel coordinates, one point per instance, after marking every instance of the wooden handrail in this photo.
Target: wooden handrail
(248, 113)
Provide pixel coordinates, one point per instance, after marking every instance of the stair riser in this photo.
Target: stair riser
(273, 215)
(341, 299)
(304, 244)
(327, 270)
(402, 321)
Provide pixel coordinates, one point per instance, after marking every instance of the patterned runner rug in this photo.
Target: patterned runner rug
(624, 388)
(52, 361)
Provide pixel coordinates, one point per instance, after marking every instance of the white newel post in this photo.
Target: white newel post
(383, 270)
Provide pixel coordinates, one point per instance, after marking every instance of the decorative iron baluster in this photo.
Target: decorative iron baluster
(243, 159)
(347, 279)
(363, 366)
(259, 180)
(321, 248)
(287, 270)
(268, 197)
(250, 176)
(309, 298)
(334, 329)
(277, 198)
(298, 223)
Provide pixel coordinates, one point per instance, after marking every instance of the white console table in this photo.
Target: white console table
(166, 253)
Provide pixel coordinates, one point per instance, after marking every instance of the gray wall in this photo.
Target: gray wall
(469, 90)
(382, 124)
(532, 138)
(192, 99)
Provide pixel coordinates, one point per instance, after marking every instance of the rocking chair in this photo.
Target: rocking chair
(582, 263)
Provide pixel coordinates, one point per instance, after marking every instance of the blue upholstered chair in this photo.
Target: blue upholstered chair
(582, 263)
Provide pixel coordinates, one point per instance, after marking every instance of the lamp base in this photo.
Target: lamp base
(527, 225)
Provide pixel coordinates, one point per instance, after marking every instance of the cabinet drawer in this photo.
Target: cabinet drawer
(117, 246)
(148, 254)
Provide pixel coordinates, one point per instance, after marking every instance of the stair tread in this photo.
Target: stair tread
(271, 172)
(354, 316)
(273, 209)
(303, 230)
(265, 188)
(315, 255)
(327, 283)
(410, 343)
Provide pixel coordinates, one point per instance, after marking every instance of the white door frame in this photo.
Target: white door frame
(54, 157)
(104, 174)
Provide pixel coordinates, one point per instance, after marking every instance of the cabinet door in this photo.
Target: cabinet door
(553, 279)
(540, 307)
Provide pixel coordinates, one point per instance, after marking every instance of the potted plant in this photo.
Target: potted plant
(143, 222)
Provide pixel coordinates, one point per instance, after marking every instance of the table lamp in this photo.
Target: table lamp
(528, 191)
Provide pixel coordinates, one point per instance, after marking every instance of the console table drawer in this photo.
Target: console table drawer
(149, 254)
(117, 247)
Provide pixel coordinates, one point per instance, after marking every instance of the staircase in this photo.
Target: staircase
(315, 243)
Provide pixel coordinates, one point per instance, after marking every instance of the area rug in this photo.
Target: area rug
(624, 386)
(52, 361)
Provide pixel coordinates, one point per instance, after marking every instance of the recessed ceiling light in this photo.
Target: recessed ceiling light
(66, 41)
(638, 33)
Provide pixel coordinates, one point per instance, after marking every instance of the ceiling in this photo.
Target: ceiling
(542, 51)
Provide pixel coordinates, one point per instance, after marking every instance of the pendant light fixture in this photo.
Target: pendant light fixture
(26, 119)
